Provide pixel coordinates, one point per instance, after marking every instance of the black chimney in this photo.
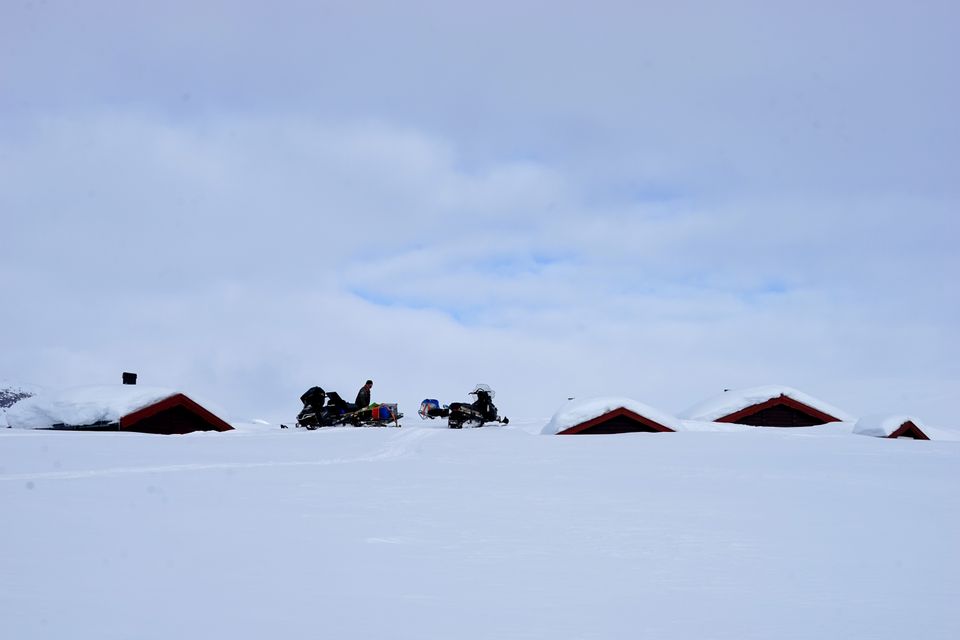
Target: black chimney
(129, 378)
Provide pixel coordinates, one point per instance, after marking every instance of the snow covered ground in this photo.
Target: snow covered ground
(486, 533)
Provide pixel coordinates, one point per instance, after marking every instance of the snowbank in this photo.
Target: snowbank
(478, 534)
(579, 411)
(703, 426)
(82, 406)
(737, 399)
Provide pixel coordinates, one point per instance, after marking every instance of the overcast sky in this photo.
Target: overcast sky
(651, 199)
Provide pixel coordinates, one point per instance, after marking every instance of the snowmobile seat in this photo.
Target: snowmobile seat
(339, 403)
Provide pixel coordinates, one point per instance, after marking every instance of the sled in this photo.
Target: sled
(323, 409)
(462, 415)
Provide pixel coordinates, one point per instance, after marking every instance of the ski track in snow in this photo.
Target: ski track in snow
(479, 534)
(395, 450)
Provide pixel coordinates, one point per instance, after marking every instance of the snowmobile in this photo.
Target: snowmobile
(462, 414)
(328, 409)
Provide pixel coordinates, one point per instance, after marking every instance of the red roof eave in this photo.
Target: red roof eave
(773, 402)
(610, 415)
(910, 430)
(176, 400)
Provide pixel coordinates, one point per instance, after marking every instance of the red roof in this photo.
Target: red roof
(617, 421)
(780, 401)
(909, 430)
(173, 415)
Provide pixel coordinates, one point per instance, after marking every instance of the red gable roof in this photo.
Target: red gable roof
(625, 416)
(176, 414)
(909, 430)
(780, 401)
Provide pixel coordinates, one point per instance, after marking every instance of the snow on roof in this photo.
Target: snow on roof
(881, 425)
(82, 406)
(737, 399)
(577, 412)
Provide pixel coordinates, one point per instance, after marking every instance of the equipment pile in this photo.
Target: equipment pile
(323, 409)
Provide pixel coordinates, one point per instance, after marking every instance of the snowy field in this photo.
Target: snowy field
(484, 533)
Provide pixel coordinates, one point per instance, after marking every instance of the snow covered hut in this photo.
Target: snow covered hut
(897, 426)
(608, 415)
(114, 408)
(767, 406)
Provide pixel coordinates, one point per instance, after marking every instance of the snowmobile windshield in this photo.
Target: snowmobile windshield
(483, 388)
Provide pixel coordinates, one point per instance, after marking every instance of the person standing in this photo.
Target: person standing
(363, 396)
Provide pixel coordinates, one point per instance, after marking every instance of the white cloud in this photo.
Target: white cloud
(624, 201)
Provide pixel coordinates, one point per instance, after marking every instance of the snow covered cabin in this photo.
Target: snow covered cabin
(114, 408)
(896, 426)
(607, 416)
(767, 406)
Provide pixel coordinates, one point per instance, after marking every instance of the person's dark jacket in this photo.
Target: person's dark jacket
(363, 397)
